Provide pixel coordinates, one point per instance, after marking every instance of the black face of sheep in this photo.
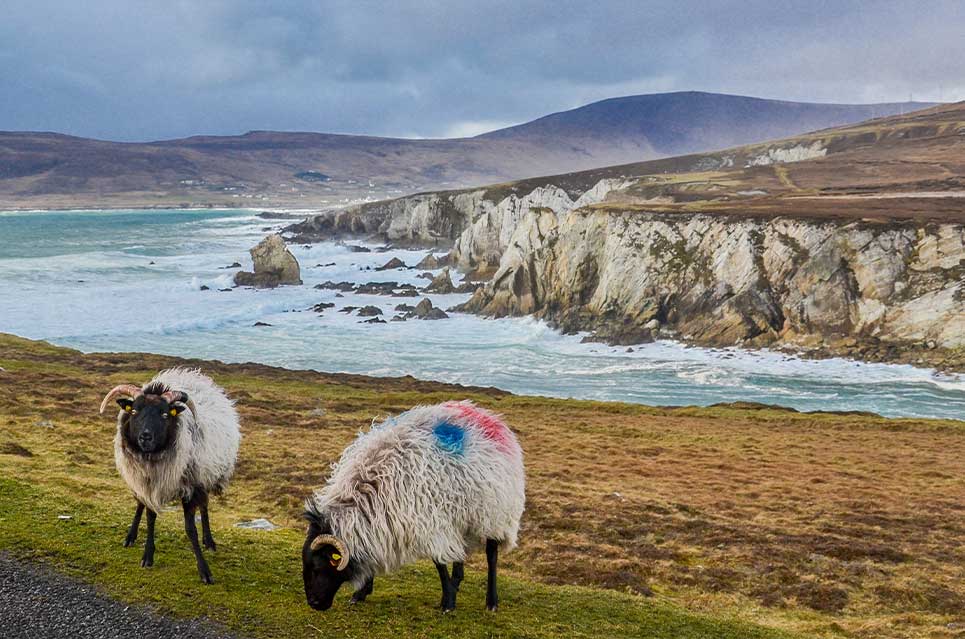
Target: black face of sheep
(325, 567)
(150, 422)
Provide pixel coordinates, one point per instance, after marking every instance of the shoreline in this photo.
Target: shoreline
(429, 384)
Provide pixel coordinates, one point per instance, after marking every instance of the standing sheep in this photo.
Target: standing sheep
(435, 482)
(177, 438)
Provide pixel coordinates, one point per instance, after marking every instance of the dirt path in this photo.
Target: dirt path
(37, 602)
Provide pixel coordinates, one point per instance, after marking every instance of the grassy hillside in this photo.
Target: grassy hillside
(718, 522)
(310, 170)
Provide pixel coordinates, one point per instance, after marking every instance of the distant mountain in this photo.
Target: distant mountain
(305, 170)
(668, 124)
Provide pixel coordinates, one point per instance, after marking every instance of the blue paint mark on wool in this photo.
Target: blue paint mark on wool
(450, 437)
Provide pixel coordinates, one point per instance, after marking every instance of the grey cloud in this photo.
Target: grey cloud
(133, 70)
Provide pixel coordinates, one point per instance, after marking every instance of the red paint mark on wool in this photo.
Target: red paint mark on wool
(491, 426)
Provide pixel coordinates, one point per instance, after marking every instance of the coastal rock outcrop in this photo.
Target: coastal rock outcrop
(851, 288)
(274, 265)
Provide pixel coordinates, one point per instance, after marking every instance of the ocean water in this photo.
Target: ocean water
(131, 281)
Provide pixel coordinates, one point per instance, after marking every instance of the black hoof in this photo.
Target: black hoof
(492, 608)
(206, 578)
(130, 541)
(147, 562)
(210, 545)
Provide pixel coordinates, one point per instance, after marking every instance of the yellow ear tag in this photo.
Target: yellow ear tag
(174, 412)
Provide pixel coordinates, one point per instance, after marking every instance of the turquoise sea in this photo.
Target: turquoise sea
(132, 281)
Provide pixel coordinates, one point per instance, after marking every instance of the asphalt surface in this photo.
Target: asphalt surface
(38, 603)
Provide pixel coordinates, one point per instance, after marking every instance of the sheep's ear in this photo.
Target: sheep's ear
(125, 404)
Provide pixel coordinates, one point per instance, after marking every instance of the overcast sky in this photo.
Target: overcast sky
(140, 69)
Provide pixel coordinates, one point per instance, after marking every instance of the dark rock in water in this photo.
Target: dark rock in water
(150, 263)
(431, 262)
(385, 248)
(261, 324)
(321, 306)
(468, 287)
(407, 292)
(441, 283)
(277, 215)
(426, 276)
(399, 318)
(358, 249)
(225, 290)
(232, 265)
(394, 263)
(374, 320)
(347, 309)
(377, 288)
(369, 311)
(422, 308)
(436, 314)
(324, 265)
(339, 295)
(205, 287)
(336, 286)
(274, 265)
(405, 308)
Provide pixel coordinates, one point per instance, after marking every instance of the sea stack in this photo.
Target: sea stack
(274, 265)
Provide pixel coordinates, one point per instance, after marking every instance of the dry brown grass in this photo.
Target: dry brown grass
(826, 524)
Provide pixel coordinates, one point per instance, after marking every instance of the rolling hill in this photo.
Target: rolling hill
(310, 170)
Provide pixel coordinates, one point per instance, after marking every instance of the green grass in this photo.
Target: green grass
(258, 588)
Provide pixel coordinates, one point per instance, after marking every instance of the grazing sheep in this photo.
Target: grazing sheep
(434, 482)
(177, 438)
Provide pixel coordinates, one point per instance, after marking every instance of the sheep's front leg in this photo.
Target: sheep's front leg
(191, 530)
(132, 531)
(458, 570)
(448, 603)
(147, 560)
(492, 556)
(359, 595)
(206, 537)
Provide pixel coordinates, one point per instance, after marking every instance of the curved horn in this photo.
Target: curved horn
(330, 540)
(180, 396)
(128, 390)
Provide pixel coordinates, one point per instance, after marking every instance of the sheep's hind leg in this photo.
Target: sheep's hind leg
(458, 570)
(206, 537)
(448, 591)
(132, 531)
(359, 595)
(190, 506)
(147, 560)
(492, 555)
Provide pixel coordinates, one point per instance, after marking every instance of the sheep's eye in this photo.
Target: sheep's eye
(128, 408)
(174, 412)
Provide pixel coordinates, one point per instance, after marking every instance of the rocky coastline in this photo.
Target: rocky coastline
(884, 292)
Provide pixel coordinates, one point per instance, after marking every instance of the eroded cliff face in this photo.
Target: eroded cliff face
(893, 292)
(889, 291)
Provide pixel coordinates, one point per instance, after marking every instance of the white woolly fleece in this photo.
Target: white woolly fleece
(204, 453)
(398, 494)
